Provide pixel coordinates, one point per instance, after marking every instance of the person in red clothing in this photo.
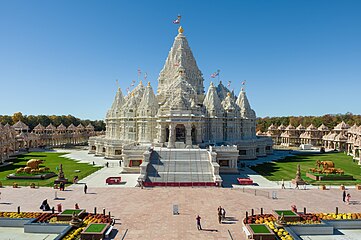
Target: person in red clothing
(198, 218)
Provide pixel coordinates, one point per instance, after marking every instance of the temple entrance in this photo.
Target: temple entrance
(180, 133)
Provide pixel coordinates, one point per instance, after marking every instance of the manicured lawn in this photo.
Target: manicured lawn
(259, 228)
(71, 211)
(52, 161)
(286, 168)
(95, 227)
(285, 212)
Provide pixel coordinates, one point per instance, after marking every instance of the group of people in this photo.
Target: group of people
(221, 214)
(346, 197)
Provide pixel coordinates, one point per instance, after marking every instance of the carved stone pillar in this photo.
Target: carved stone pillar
(171, 140)
(188, 127)
(199, 133)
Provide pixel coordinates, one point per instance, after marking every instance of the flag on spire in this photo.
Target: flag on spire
(243, 82)
(145, 76)
(177, 21)
(215, 74)
(139, 72)
(229, 83)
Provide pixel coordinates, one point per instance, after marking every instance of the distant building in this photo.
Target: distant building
(19, 137)
(342, 137)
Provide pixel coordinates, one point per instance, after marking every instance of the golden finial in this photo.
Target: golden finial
(148, 84)
(228, 94)
(180, 29)
(140, 82)
(132, 94)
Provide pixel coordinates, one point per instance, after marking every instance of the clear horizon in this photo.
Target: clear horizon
(298, 58)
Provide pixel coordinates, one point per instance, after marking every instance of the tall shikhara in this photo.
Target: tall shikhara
(180, 63)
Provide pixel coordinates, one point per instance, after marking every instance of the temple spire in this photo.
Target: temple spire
(242, 102)
(180, 61)
(212, 102)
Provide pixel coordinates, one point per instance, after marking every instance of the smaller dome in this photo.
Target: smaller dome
(290, 127)
(281, 127)
(300, 127)
(311, 127)
(323, 127)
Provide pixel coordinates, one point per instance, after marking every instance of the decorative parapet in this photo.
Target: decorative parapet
(227, 148)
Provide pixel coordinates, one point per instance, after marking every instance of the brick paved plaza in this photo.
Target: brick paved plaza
(147, 213)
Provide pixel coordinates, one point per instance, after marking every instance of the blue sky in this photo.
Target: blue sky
(63, 57)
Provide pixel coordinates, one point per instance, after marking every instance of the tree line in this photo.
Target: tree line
(45, 120)
(330, 120)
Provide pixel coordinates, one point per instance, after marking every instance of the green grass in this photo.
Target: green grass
(285, 212)
(70, 211)
(52, 161)
(98, 227)
(286, 168)
(259, 228)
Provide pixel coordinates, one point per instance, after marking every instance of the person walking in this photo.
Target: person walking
(348, 197)
(76, 206)
(120, 163)
(198, 218)
(107, 164)
(85, 188)
(344, 196)
(283, 184)
(220, 210)
(297, 186)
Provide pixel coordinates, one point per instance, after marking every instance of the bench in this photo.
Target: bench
(113, 180)
(245, 181)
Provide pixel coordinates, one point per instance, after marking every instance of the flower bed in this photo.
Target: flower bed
(304, 219)
(20, 215)
(35, 218)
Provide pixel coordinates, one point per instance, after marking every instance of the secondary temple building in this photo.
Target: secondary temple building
(341, 138)
(19, 137)
(180, 133)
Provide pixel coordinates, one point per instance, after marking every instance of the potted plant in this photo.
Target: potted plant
(32, 185)
(15, 185)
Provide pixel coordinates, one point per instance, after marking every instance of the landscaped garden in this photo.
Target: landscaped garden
(286, 169)
(52, 161)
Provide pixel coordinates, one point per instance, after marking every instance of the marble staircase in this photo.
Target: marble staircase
(180, 166)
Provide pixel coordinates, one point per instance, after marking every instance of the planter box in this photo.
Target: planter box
(94, 231)
(67, 214)
(330, 177)
(260, 232)
(289, 215)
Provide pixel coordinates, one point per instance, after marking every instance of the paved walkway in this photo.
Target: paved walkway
(147, 213)
(98, 178)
